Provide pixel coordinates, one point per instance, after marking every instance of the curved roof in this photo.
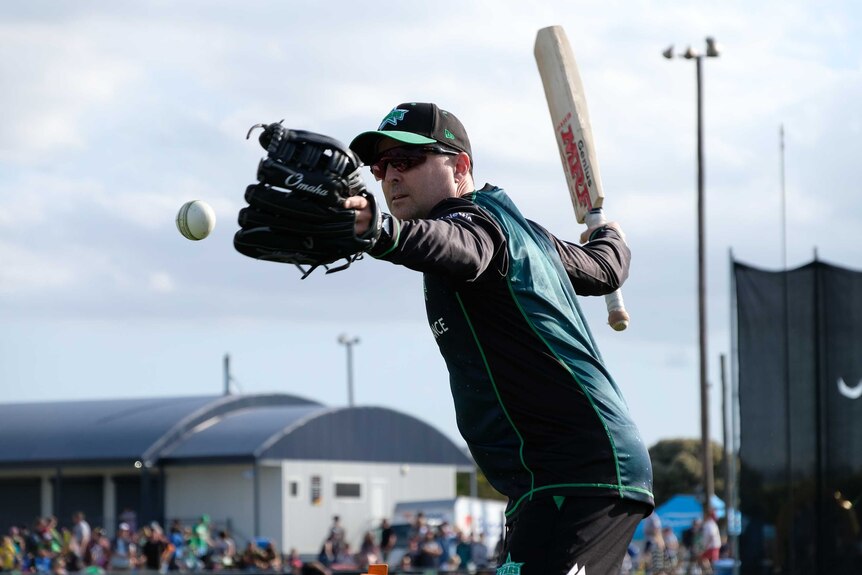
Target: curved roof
(214, 429)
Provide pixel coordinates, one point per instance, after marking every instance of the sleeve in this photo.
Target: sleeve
(458, 239)
(598, 267)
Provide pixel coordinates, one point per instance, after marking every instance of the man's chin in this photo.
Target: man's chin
(402, 212)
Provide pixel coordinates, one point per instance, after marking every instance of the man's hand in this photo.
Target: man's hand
(585, 235)
(364, 213)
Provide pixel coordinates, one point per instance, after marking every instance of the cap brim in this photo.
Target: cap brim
(366, 144)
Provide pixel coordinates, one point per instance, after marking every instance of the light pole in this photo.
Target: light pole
(349, 342)
(706, 446)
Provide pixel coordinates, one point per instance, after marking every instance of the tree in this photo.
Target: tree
(483, 488)
(675, 465)
(676, 468)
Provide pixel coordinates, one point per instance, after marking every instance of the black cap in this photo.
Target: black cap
(415, 124)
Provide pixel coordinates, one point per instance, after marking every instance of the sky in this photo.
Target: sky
(115, 113)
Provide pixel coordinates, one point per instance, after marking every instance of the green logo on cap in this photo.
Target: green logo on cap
(393, 117)
(449, 134)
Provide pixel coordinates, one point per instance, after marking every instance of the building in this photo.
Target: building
(275, 466)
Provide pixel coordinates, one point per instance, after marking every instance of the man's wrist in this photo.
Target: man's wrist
(390, 230)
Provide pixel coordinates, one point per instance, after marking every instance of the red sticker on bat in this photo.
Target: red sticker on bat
(579, 167)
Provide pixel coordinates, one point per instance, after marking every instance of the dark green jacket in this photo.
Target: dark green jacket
(534, 401)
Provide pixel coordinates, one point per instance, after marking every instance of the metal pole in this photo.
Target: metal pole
(226, 374)
(349, 342)
(712, 51)
(783, 207)
(350, 375)
(706, 446)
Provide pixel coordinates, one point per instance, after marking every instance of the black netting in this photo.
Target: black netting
(799, 337)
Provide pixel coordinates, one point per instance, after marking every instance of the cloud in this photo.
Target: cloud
(117, 113)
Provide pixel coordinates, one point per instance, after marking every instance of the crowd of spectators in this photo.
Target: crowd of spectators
(438, 548)
(197, 546)
(662, 553)
(47, 548)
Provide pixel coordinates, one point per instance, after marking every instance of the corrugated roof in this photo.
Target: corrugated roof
(213, 428)
(239, 434)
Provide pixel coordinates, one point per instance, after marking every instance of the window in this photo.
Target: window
(348, 490)
(315, 490)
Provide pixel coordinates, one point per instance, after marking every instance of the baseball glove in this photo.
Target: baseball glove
(295, 212)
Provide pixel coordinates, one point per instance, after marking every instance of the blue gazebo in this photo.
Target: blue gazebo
(680, 511)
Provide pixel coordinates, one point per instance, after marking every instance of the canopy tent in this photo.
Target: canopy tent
(679, 512)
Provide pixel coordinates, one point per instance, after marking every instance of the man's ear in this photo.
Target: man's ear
(462, 166)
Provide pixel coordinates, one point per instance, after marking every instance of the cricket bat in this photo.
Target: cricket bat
(571, 120)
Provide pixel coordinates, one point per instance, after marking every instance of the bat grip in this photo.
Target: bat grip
(618, 317)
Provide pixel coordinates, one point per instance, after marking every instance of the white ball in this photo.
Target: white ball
(195, 220)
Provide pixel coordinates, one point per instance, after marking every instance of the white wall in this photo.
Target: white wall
(226, 492)
(221, 491)
(305, 524)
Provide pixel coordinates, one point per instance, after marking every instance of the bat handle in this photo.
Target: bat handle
(618, 317)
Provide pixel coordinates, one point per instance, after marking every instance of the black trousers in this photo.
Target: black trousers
(570, 536)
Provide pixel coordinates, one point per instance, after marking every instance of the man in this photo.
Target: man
(387, 539)
(81, 533)
(541, 414)
(711, 542)
(124, 552)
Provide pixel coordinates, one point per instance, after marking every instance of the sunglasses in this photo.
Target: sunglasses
(406, 158)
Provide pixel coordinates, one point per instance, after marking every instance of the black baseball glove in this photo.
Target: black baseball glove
(295, 213)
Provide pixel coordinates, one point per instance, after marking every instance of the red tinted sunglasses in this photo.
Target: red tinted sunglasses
(406, 158)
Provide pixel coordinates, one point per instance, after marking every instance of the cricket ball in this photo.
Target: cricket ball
(195, 220)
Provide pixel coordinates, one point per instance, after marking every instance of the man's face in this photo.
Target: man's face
(411, 189)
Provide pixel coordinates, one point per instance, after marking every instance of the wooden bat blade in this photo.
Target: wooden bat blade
(570, 117)
(567, 104)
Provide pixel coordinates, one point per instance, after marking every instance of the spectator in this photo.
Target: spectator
(464, 552)
(630, 560)
(692, 540)
(671, 545)
(177, 541)
(51, 535)
(369, 552)
(155, 549)
(480, 552)
(224, 551)
(429, 551)
(19, 541)
(252, 558)
(270, 556)
(420, 526)
(445, 539)
(58, 566)
(43, 561)
(411, 556)
(293, 562)
(9, 558)
(654, 553)
(130, 517)
(81, 534)
(200, 541)
(336, 535)
(651, 527)
(98, 552)
(327, 554)
(387, 539)
(345, 559)
(711, 543)
(124, 551)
